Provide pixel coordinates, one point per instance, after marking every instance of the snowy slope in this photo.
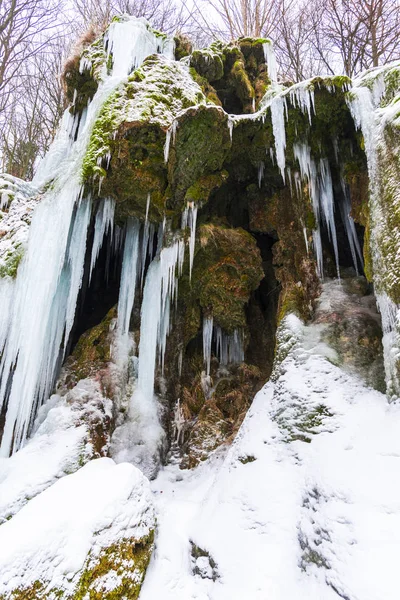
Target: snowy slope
(51, 537)
(306, 503)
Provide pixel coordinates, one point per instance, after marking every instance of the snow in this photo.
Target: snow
(306, 503)
(60, 445)
(373, 102)
(51, 537)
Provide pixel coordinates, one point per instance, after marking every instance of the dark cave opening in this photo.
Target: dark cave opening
(229, 206)
(99, 293)
(262, 310)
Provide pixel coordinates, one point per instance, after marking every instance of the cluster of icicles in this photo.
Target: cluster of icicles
(316, 174)
(229, 346)
(38, 308)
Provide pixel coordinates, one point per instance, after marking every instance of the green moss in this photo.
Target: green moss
(207, 89)
(209, 62)
(227, 268)
(126, 148)
(201, 190)
(92, 352)
(80, 86)
(247, 459)
(242, 85)
(127, 560)
(12, 259)
(201, 146)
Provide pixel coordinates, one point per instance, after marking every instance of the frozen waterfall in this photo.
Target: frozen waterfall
(49, 278)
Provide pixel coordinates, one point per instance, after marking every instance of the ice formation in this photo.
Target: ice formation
(230, 347)
(189, 219)
(104, 224)
(270, 59)
(207, 341)
(365, 103)
(129, 276)
(50, 275)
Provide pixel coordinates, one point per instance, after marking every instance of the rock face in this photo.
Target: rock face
(189, 209)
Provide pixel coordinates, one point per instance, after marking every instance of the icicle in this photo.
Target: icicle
(345, 209)
(363, 111)
(321, 193)
(261, 168)
(189, 218)
(289, 178)
(185, 217)
(50, 274)
(178, 422)
(327, 204)
(147, 207)
(129, 42)
(159, 290)
(270, 59)
(103, 224)
(129, 273)
(389, 313)
(167, 144)
(305, 238)
(171, 133)
(46, 291)
(207, 340)
(7, 286)
(318, 251)
(180, 362)
(230, 126)
(140, 439)
(278, 106)
(192, 239)
(230, 347)
(303, 97)
(272, 156)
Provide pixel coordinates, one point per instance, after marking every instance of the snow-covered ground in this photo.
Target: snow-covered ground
(305, 504)
(51, 538)
(61, 444)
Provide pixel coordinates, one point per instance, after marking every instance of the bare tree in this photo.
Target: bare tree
(24, 29)
(292, 37)
(166, 15)
(243, 18)
(30, 124)
(352, 35)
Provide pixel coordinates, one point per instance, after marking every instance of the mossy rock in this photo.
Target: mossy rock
(11, 262)
(227, 268)
(253, 48)
(208, 90)
(124, 563)
(92, 352)
(201, 146)
(126, 560)
(126, 149)
(183, 46)
(79, 85)
(209, 63)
